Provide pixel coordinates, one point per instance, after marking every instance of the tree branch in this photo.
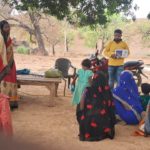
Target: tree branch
(22, 25)
(46, 37)
(45, 17)
(148, 32)
(28, 29)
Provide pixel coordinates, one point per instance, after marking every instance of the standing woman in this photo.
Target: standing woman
(7, 65)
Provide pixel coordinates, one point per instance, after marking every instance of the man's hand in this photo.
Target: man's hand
(113, 56)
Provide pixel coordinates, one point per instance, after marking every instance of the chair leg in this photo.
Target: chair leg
(64, 87)
(18, 86)
(69, 79)
(56, 89)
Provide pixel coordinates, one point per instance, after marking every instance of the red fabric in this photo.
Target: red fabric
(9, 42)
(5, 116)
(99, 65)
(93, 124)
(1, 64)
(11, 77)
(82, 117)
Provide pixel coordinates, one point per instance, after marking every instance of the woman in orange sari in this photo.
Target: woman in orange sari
(7, 65)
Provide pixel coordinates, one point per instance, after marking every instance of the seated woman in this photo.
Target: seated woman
(97, 117)
(127, 100)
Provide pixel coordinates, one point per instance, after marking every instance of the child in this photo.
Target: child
(84, 76)
(145, 88)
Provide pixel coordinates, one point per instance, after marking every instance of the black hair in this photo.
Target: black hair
(2, 23)
(5, 36)
(145, 88)
(86, 63)
(118, 31)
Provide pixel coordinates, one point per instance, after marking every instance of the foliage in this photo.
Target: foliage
(70, 36)
(89, 35)
(57, 8)
(88, 12)
(23, 50)
(96, 11)
(145, 30)
(103, 32)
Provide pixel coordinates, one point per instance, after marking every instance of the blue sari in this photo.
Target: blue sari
(127, 100)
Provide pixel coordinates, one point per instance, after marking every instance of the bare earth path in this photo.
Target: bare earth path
(34, 121)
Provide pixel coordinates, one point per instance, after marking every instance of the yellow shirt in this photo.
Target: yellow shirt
(110, 49)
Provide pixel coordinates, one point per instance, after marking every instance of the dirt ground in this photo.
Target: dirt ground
(37, 123)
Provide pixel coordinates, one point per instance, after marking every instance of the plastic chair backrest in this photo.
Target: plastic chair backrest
(63, 65)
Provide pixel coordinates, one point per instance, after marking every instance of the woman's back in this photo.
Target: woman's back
(97, 118)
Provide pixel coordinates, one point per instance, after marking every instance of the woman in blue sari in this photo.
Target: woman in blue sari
(127, 100)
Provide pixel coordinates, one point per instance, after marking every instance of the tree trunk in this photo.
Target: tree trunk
(65, 41)
(65, 35)
(102, 46)
(53, 50)
(37, 32)
(67, 46)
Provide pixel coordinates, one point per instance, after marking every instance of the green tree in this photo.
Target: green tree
(90, 36)
(102, 32)
(145, 30)
(35, 8)
(87, 12)
(93, 12)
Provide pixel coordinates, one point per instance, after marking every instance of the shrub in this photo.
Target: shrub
(23, 50)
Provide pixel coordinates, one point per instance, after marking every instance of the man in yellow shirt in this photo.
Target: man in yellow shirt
(115, 63)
